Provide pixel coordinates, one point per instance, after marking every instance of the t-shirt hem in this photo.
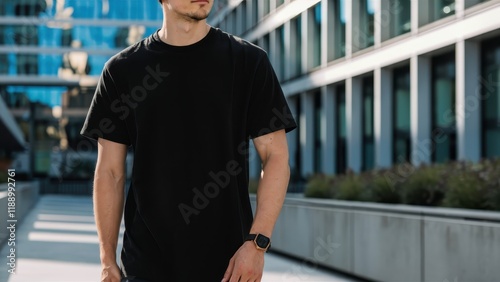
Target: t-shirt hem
(264, 131)
(91, 136)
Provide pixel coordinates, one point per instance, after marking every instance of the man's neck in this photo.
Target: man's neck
(182, 33)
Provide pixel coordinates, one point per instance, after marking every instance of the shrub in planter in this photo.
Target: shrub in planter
(319, 186)
(425, 187)
(382, 191)
(351, 188)
(467, 190)
(474, 186)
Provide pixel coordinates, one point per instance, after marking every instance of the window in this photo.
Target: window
(29, 8)
(27, 64)
(279, 3)
(341, 129)
(433, 10)
(315, 36)
(491, 98)
(243, 18)
(443, 108)
(401, 115)
(265, 7)
(255, 12)
(470, 3)
(265, 43)
(368, 155)
(296, 47)
(363, 28)
(280, 41)
(318, 113)
(396, 18)
(337, 29)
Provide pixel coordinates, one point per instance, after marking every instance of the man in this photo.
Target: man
(187, 99)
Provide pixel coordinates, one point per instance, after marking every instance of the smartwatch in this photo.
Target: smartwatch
(261, 242)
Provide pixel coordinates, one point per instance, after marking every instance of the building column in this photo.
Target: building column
(307, 133)
(328, 124)
(468, 102)
(287, 29)
(239, 24)
(303, 40)
(459, 8)
(414, 17)
(272, 52)
(354, 123)
(383, 126)
(420, 100)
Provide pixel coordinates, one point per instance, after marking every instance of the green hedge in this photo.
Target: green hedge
(457, 185)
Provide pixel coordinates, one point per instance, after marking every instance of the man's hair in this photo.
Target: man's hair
(160, 1)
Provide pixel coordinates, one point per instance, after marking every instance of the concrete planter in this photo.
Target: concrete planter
(391, 242)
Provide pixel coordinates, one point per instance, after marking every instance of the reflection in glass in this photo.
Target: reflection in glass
(401, 114)
(363, 32)
(400, 17)
(338, 29)
(433, 10)
(316, 36)
(443, 108)
(491, 98)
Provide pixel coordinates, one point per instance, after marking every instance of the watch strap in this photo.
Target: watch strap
(253, 237)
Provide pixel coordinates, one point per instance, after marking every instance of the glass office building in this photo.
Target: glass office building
(51, 55)
(377, 83)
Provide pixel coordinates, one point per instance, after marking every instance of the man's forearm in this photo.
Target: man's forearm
(271, 194)
(108, 211)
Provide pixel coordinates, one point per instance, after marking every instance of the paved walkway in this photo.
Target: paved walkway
(57, 241)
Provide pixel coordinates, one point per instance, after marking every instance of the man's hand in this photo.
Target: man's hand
(246, 265)
(110, 273)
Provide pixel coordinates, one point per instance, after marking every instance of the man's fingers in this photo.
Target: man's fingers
(229, 270)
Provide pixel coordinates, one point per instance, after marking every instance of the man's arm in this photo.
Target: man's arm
(109, 182)
(248, 262)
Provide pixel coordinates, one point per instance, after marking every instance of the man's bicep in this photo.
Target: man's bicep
(273, 143)
(111, 156)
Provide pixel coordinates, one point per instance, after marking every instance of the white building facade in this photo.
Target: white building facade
(374, 83)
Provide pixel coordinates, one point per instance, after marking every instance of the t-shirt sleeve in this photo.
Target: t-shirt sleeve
(103, 118)
(268, 110)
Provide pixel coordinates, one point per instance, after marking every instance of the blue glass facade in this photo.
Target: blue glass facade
(97, 29)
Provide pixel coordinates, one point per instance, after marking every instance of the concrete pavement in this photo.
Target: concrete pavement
(57, 241)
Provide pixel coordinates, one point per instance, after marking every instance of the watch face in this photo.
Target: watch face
(262, 241)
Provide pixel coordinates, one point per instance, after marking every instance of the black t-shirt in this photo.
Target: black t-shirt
(188, 112)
